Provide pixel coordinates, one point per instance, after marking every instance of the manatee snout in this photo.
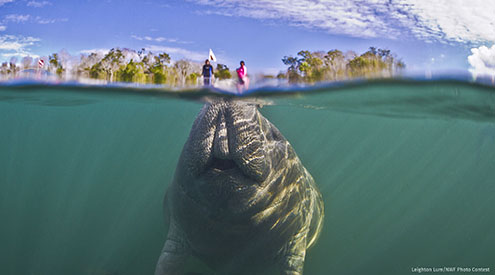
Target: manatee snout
(228, 136)
(221, 140)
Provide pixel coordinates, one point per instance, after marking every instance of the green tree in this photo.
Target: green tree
(308, 67)
(335, 64)
(192, 79)
(163, 59)
(159, 68)
(183, 69)
(131, 72)
(55, 64)
(375, 62)
(86, 63)
(4, 69)
(97, 71)
(317, 66)
(222, 72)
(111, 62)
(293, 70)
(13, 68)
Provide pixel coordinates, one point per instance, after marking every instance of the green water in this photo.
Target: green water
(406, 170)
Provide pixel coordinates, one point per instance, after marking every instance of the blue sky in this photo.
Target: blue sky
(427, 36)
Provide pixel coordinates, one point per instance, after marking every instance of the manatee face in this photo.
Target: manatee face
(241, 200)
(230, 156)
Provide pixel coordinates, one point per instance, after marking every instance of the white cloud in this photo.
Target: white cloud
(12, 45)
(341, 17)
(2, 28)
(17, 18)
(36, 4)
(444, 20)
(45, 21)
(192, 55)
(452, 20)
(3, 2)
(21, 18)
(159, 39)
(16, 43)
(22, 54)
(97, 51)
(482, 61)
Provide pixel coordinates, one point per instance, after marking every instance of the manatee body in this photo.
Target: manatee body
(241, 201)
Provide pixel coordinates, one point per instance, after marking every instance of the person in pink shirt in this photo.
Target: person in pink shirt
(243, 83)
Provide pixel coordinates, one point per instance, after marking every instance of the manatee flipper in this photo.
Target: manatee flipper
(292, 258)
(174, 253)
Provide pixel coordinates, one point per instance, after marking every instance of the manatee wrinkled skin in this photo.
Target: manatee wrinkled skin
(241, 201)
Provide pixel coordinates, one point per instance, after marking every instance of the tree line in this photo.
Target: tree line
(334, 65)
(142, 66)
(117, 65)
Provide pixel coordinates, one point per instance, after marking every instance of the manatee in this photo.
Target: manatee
(241, 201)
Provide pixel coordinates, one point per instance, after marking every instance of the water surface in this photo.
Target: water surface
(406, 170)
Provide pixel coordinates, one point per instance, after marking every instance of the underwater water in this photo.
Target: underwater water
(406, 169)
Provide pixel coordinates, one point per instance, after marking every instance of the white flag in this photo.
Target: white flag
(212, 57)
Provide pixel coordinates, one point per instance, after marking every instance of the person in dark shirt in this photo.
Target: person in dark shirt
(207, 73)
